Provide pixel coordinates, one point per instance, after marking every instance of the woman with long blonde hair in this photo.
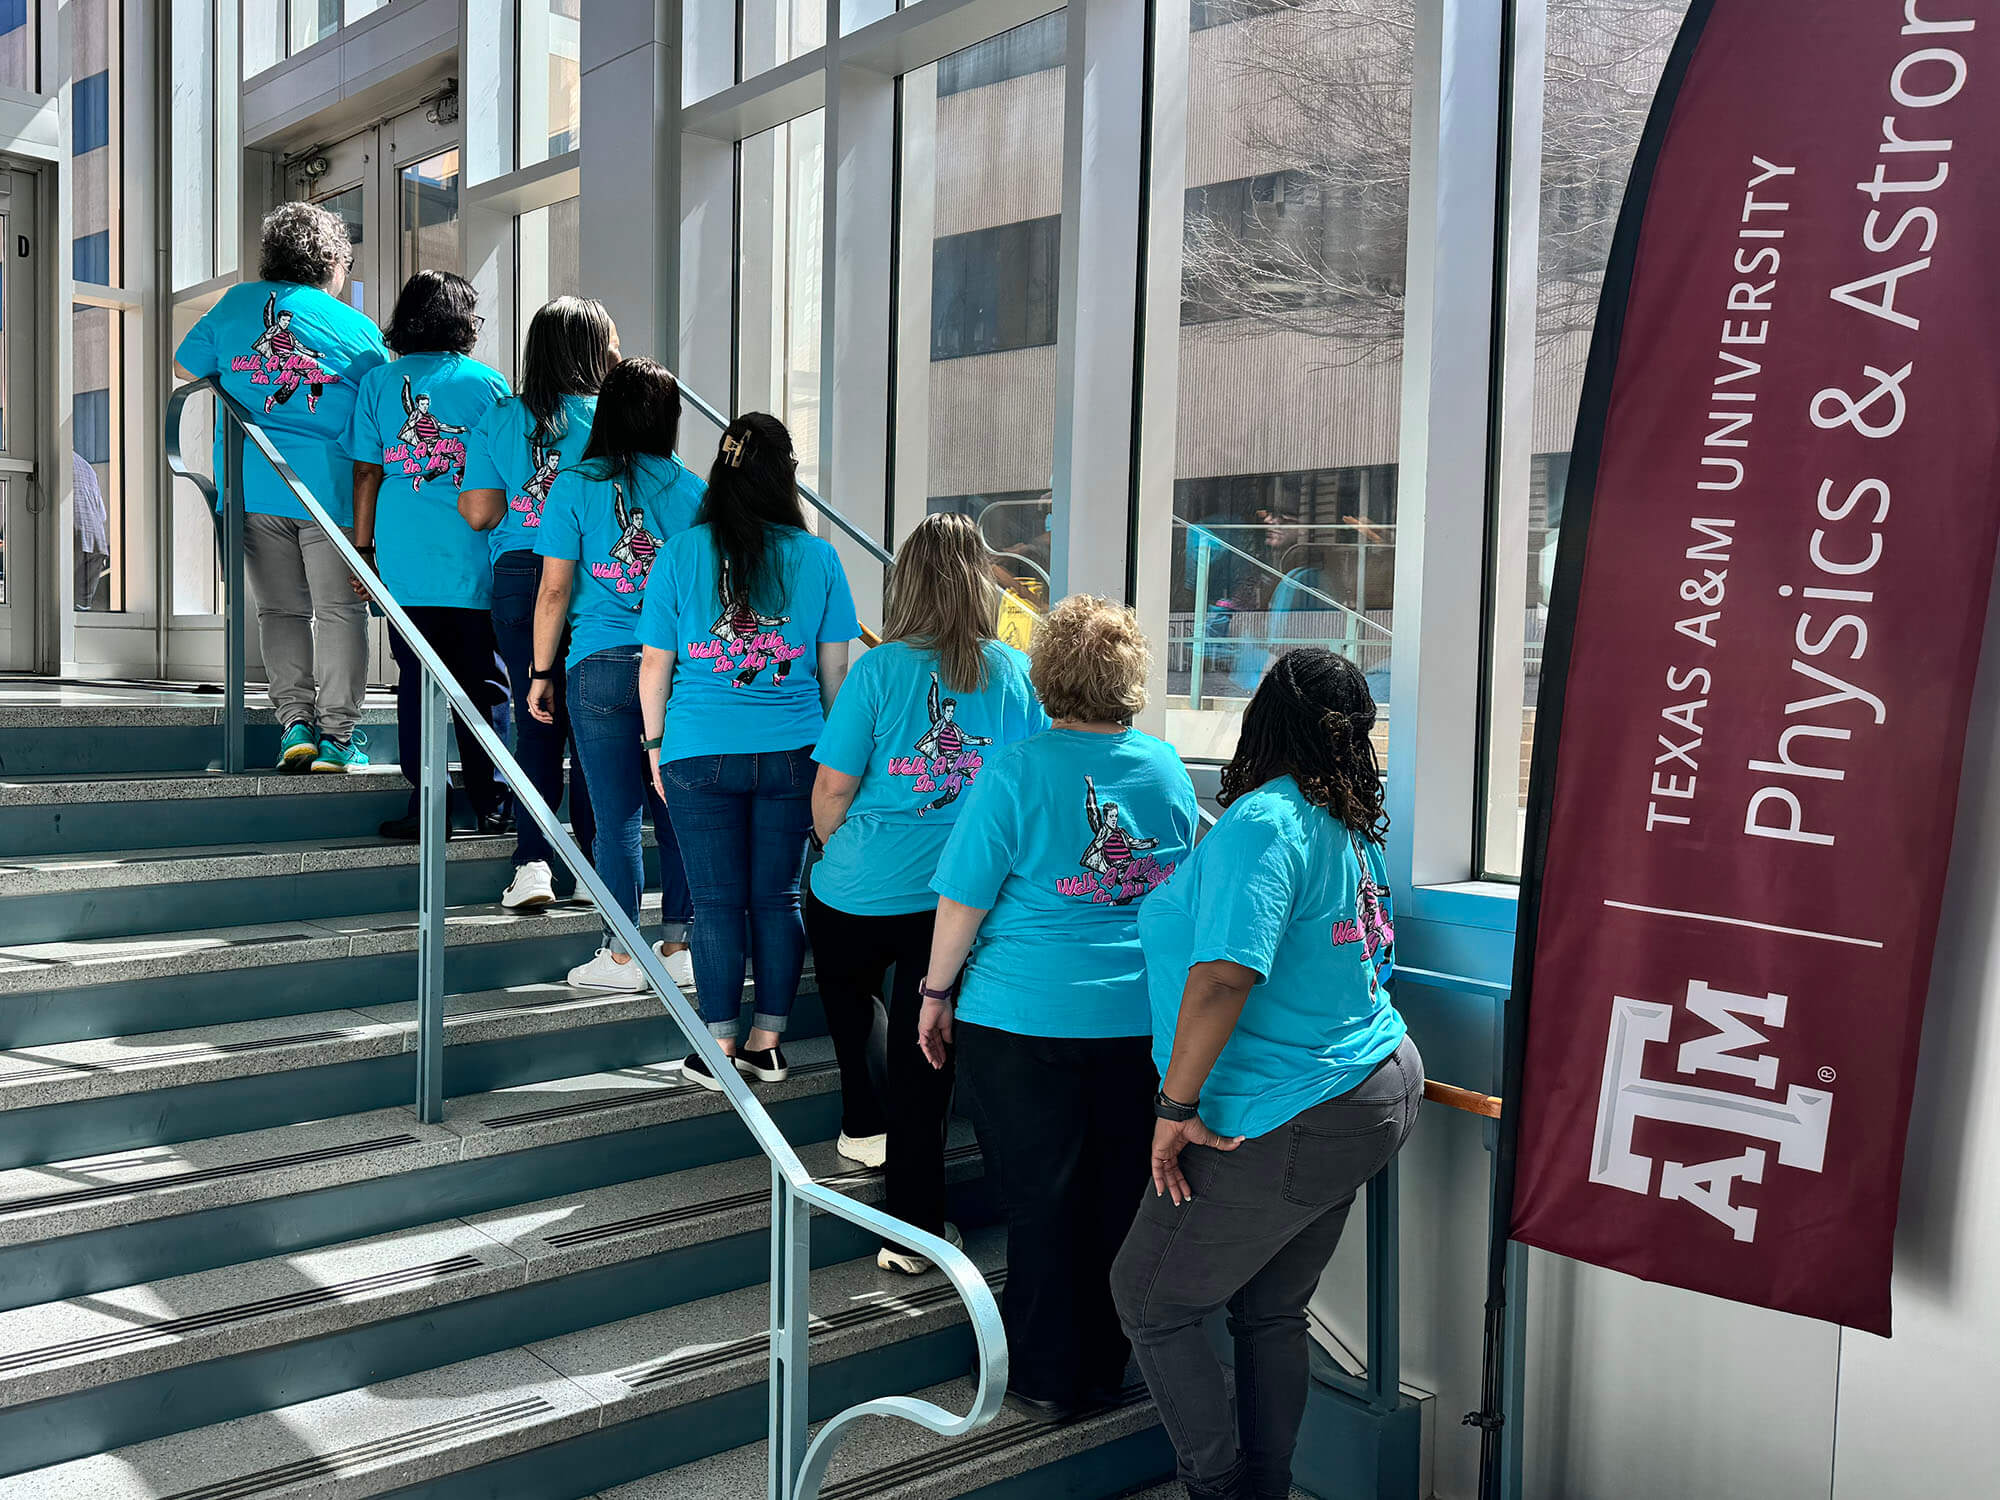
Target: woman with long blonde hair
(915, 723)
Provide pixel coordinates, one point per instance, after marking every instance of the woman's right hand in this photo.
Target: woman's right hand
(934, 1030)
(653, 760)
(542, 699)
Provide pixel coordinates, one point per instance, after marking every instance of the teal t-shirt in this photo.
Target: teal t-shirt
(1061, 839)
(918, 747)
(1279, 886)
(412, 417)
(295, 357)
(502, 453)
(615, 531)
(746, 681)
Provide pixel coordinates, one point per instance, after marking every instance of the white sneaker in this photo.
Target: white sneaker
(533, 885)
(680, 966)
(895, 1258)
(868, 1150)
(605, 973)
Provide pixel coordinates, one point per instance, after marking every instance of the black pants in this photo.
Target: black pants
(852, 957)
(1255, 1238)
(1066, 1126)
(463, 640)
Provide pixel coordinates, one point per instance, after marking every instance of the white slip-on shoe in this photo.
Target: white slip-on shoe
(605, 973)
(680, 966)
(533, 885)
(896, 1258)
(868, 1150)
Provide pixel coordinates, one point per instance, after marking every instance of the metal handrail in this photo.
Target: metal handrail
(796, 1468)
(1258, 562)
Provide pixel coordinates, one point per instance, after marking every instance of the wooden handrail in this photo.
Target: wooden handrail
(1453, 1097)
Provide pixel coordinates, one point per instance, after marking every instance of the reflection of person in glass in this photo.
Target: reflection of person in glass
(93, 537)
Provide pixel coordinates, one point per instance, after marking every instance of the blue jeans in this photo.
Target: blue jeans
(538, 746)
(745, 819)
(605, 718)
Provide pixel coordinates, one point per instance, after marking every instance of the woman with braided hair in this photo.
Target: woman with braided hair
(1288, 1077)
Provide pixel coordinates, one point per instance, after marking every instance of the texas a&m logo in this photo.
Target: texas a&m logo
(1794, 1125)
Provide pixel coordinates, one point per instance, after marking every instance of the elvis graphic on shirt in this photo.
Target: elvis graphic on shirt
(285, 361)
(747, 642)
(1114, 855)
(430, 444)
(943, 750)
(535, 493)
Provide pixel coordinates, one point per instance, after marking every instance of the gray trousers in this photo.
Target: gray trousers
(1262, 1225)
(313, 626)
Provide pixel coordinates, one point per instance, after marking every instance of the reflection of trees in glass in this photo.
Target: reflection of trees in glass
(1321, 90)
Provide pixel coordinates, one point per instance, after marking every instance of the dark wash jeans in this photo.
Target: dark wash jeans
(744, 822)
(605, 718)
(463, 640)
(517, 576)
(1066, 1126)
(1263, 1223)
(852, 957)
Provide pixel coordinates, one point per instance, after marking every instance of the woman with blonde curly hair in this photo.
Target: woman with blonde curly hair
(1037, 979)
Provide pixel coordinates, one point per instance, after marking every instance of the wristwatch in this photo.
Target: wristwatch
(1172, 1109)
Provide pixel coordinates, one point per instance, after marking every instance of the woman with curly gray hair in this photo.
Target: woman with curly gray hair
(290, 351)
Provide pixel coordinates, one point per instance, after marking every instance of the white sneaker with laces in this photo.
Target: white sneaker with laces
(605, 973)
(895, 1258)
(680, 966)
(533, 885)
(868, 1150)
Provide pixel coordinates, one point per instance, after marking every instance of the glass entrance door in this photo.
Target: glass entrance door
(27, 602)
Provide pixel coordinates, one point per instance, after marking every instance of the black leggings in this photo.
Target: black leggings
(851, 958)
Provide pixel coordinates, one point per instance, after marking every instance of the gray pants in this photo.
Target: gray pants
(313, 626)
(1262, 1225)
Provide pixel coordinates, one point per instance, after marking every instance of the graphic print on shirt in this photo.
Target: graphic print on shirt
(279, 358)
(1369, 926)
(535, 493)
(631, 557)
(428, 447)
(1120, 869)
(745, 642)
(945, 761)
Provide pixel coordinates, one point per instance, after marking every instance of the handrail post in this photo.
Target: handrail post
(236, 607)
(1200, 624)
(434, 828)
(1385, 1375)
(791, 1313)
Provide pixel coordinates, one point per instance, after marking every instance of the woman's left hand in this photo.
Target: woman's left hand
(934, 1030)
(1169, 1137)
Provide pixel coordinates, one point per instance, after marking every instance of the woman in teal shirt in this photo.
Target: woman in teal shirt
(746, 634)
(914, 726)
(512, 460)
(1041, 883)
(602, 530)
(407, 440)
(1288, 1077)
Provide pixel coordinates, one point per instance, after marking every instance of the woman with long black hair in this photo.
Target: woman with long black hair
(511, 463)
(1288, 1078)
(746, 633)
(602, 529)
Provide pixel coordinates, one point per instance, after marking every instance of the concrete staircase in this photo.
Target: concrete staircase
(235, 1266)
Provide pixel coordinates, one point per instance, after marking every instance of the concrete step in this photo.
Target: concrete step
(574, 1412)
(84, 1224)
(110, 730)
(1109, 1452)
(139, 1362)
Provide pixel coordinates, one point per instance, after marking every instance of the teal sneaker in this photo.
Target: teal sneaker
(297, 749)
(334, 756)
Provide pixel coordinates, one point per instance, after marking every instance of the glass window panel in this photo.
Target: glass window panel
(197, 567)
(263, 39)
(1604, 63)
(776, 31)
(550, 108)
(1293, 249)
(981, 242)
(546, 252)
(4, 493)
(780, 231)
(429, 216)
(20, 45)
(356, 9)
(346, 205)
(97, 436)
(96, 141)
(313, 21)
(193, 189)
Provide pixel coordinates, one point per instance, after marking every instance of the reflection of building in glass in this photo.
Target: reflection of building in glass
(97, 410)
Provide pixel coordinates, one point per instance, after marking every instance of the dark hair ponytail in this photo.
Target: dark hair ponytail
(638, 411)
(752, 489)
(1311, 719)
(568, 353)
